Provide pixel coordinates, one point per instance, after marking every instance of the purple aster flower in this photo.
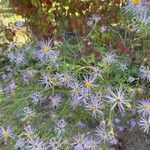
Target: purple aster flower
(26, 78)
(4, 76)
(95, 18)
(119, 128)
(20, 24)
(35, 144)
(96, 72)
(75, 102)
(117, 98)
(146, 3)
(8, 69)
(143, 18)
(133, 123)
(89, 82)
(89, 23)
(10, 74)
(56, 144)
(103, 29)
(20, 143)
(112, 139)
(101, 133)
(37, 97)
(54, 58)
(46, 50)
(143, 21)
(145, 124)
(123, 66)
(95, 106)
(85, 94)
(6, 133)
(109, 58)
(28, 112)
(29, 132)
(17, 58)
(47, 81)
(10, 88)
(28, 75)
(67, 79)
(144, 107)
(117, 121)
(11, 46)
(79, 147)
(135, 6)
(55, 101)
(75, 88)
(133, 111)
(60, 126)
(93, 144)
(7, 74)
(81, 125)
(145, 73)
(80, 142)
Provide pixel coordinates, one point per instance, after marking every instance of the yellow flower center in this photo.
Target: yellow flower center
(147, 73)
(6, 134)
(146, 107)
(94, 107)
(46, 49)
(75, 104)
(88, 84)
(55, 102)
(80, 142)
(136, 2)
(29, 135)
(68, 78)
(148, 123)
(118, 99)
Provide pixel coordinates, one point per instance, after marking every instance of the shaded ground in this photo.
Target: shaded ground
(134, 140)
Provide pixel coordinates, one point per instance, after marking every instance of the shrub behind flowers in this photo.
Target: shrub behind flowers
(49, 16)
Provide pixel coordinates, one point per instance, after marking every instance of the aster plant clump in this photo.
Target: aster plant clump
(67, 101)
(53, 99)
(136, 7)
(139, 9)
